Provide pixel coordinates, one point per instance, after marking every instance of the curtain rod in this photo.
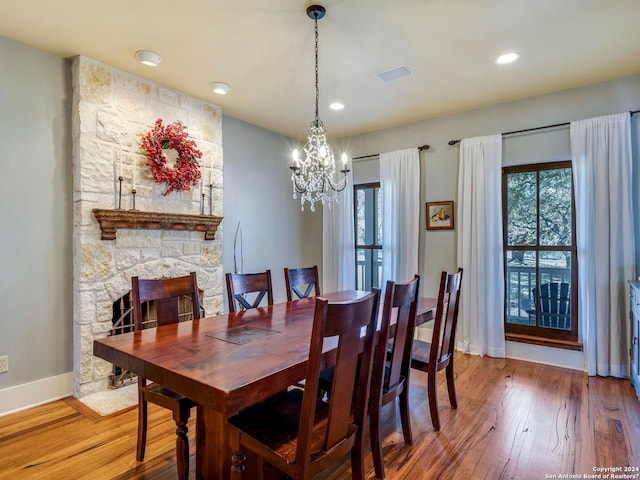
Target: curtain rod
(564, 124)
(420, 148)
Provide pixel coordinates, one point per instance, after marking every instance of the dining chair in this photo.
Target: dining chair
(302, 277)
(299, 433)
(165, 293)
(431, 357)
(391, 364)
(241, 284)
(392, 361)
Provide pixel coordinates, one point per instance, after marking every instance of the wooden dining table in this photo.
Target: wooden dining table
(227, 363)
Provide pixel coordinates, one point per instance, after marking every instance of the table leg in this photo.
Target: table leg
(213, 452)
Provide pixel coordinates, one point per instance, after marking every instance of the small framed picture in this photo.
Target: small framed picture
(440, 215)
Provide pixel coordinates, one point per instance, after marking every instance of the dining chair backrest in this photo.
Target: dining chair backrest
(241, 284)
(302, 277)
(396, 349)
(446, 319)
(392, 362)
(165, 293)
(344, 321)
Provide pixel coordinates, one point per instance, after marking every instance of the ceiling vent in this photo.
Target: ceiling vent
(393, 74)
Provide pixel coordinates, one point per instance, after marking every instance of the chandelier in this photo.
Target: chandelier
(312, 174)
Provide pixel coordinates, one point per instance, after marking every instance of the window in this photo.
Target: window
(540, 252)
(368, 230)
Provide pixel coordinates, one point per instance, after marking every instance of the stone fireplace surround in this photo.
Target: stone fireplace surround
(110, 110)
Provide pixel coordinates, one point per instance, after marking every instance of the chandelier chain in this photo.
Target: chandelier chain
(317, 88)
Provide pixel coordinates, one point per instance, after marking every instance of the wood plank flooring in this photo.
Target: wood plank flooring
(515, 420)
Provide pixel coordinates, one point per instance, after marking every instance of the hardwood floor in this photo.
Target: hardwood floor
(515, 420)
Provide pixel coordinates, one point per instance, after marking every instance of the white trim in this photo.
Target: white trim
(32, 394)
(557, 357)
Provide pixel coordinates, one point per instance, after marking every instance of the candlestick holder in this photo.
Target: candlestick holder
(202, 205)
(133, 196)
(210, 199)
(120, 192)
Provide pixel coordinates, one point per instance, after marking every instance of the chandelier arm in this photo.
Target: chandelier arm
(299, 189)
(344, 185)
(340, 186)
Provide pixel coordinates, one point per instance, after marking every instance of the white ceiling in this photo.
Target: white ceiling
(264, 50)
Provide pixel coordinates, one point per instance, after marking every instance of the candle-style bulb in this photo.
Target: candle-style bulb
(344, 159)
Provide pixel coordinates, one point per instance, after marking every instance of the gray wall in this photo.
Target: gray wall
(258, 195)
(439, 164)
(35, 214)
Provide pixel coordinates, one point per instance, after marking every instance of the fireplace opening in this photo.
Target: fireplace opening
(122, 322)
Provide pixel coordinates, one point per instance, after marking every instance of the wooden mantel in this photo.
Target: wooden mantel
(111, 220)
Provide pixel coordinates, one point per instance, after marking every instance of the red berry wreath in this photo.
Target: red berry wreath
(186, 171)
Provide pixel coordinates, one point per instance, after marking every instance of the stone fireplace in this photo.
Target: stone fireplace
(111, 109)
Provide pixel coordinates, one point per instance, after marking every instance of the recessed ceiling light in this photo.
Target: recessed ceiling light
(148, 58)
(336, 106)
(507, 58)
(220, 88)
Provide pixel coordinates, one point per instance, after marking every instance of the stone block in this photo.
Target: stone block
(87, 115)
(217, 196)
(87, 310)
(218, 178)
(127, 257)
(104, 314)
(191, 248)
(171, 249)
(128, 238)
(170, 97)
(99, 168)
(102, 368)
(96, 262)
(213, 114)
(147, 254)
(209, 255)
(214, 305)
(86, 367)
(88, 388)
(117, 286)
(95, 82)
(112, 127)
(217, 283)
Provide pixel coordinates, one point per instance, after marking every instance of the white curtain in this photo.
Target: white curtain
(602, 171)
(338, 249)
(400, 187)
(481, 315)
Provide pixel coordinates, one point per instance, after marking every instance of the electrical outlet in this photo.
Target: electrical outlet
(4, 364)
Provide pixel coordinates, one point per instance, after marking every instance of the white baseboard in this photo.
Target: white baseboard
(557, 357)
(27, 395)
